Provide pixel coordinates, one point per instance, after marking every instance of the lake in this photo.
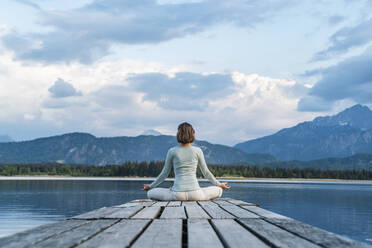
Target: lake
(342, 208)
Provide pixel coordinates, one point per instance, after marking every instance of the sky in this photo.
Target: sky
(236, 70)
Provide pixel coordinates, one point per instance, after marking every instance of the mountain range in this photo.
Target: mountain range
(84, 148)
(344, 134)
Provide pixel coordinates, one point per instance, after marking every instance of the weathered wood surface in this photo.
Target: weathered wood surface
(161, 233)
(276, 235)
(223, 222)
(236, 236)
(147, 213)
(196, 212)
(110, 213)
(160, 204)
(40, 233)
(174, 204)
(173, 213)
(239, 212)
(316, 235)
(264, 213)
(200, 233)
(118, 235)
(215, 211)
(76, 236)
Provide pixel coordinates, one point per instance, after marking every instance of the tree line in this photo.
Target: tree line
(153, 168)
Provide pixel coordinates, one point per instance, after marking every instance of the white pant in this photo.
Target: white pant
(202, 194)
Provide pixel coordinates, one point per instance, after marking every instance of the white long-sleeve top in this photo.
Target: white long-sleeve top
(185, 160)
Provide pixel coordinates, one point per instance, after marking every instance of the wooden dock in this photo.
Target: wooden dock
(223, 222)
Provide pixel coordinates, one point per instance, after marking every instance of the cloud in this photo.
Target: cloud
(335, 19)
(314, 104)
(350, 79)
(345, 39)
(87, 33)
(184, 90)
(123, 98)
(60, 88)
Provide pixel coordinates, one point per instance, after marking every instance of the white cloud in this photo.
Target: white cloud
(61, 88)
(113, 104)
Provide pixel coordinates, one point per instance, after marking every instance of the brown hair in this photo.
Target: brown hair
(186, 133)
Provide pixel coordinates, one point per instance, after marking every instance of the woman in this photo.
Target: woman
(185, 158)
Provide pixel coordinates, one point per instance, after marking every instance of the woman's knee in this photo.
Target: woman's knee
(161, 194)
(212, 192)
(151, 193)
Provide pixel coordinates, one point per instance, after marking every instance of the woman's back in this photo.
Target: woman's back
(185, 160)
(185, 163)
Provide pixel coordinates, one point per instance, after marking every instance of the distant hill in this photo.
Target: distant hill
(345, 134)
(152, 132)
(5, 138)
(358, 161)
(84, 148)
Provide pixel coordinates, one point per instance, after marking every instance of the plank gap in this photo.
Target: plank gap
(223, 241)
(294, 233)
(94, 234)
(140, 233)
(184, 233)
(210, 217)
(227, 211)
(266, 241)
(160, 212)
(184, 209)
(135, 213)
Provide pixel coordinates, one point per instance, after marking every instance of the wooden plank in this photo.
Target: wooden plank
(241, 203)
(236, 210)
(128, 204)
(161, 233)
(95, 214)
(239, 212)
(173, 213)
(123, 213)
(147, 213)
(264, 213)
(207, 203)
(201, 234)
(77, 235)
(135, 203)
(222, 202)
(224, 198)
(317, 235)
(234, 235)
(118, 235)
(189, 203)
(196, 212)
(174, 204)
(160, 204)
(35, 235)
(275, 235)
(216, 212)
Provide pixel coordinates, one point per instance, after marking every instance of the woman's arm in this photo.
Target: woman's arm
(164, 172)
(204, 169)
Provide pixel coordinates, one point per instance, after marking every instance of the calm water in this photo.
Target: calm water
(340, 208)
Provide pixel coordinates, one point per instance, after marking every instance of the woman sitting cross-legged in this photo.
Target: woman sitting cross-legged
(185, 159)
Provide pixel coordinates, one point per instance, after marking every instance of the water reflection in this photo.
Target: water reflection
(339, 208)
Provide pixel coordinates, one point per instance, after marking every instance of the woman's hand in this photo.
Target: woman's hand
(224, 185)
(146, 187)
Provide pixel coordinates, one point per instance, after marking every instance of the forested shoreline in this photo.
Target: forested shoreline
(153, 168)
